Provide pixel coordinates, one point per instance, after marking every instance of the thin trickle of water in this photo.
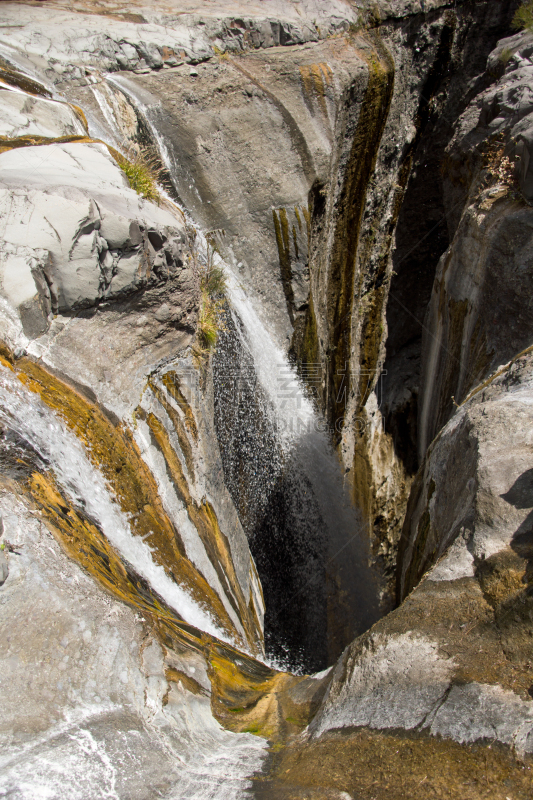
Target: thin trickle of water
(36, 426)
(133, 94)
(21, 64)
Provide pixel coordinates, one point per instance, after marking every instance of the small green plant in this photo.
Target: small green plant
(211, 308)
(212, 303)
(254, 728)
(143, 171)
(524, 16)
(506, 54)
(3, 546)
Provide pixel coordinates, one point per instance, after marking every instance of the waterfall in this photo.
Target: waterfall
(283, 475)
(285, 479)
(279, 465)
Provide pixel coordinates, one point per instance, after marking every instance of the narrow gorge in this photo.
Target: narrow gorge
(266, 392)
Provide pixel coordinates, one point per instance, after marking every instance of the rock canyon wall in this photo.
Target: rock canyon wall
(341, 485)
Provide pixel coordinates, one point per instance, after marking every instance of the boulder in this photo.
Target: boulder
(92, 238)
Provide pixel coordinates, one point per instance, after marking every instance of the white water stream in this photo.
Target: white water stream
(46, 434)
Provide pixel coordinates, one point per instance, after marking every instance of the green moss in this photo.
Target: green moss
(254, 728)
(369, 17)
(281, 228)
(524, 16)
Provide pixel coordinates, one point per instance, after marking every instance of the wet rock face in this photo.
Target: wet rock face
(96, 705)
(367, 224)
(445, 678)
(243, 130)
(101, 288)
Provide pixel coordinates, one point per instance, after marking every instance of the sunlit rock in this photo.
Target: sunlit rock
(226, 447)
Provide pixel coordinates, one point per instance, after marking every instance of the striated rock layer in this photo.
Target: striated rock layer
(321, 147)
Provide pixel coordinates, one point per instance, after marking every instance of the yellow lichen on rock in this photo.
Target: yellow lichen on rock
(204, 519)
(113, 451)
(315, 80)
(171, 382)
(249, 697)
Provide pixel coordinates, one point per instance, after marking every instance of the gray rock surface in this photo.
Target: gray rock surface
(103, 288)
(479, 314)
(261, 139)
(87, 709)
(96, 241)
(243, 142)
(142, 39)
(24, 115)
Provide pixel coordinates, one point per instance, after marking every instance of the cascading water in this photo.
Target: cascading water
(285, 480)
(281, 471)
(29, 425)
(67, 760)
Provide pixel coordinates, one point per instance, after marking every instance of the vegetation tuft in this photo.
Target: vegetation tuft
(221, 54)
(143, 171)
(499, 167)
(212, 300)
(506, 54)
(524, 16)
